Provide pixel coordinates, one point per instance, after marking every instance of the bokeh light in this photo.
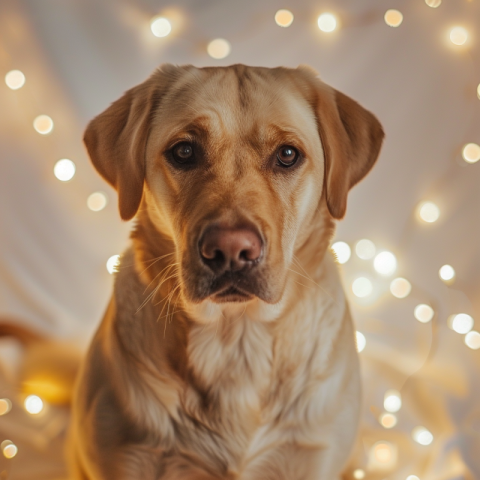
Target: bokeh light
(33, 404)
(361, 341)
(393, 18)
(43, 124)
(447, 273)
(428, 212)
(422, 436)
(9, 449)
(284, 18)
(423, 313)
(471, 152)
(400, 287)
(342, 251)
(160, 26)
(362, 287)
(365, 249)
(392, 401)
(358, 474)
(461, 323)
(64, 170)
(458, 35)
(15, 79)
(5, 406)
(412, 477)
(97, 201)
(433, 3)
(385, 263)
(112, 264)
(327, 22)
(388, 420)
(383, 453)
(219, 48)
(472, 340)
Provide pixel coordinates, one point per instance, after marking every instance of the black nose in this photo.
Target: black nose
(234, 249)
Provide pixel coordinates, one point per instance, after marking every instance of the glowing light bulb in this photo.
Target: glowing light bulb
(412, 477)
(33, 404)
(458, 35)
(284, 18)
(365, 249)
(461, 323)
(5, 406)
(471, 153)
(362, 287)
(112, 264)
(423, 313)
(393, 18)
(400, 288)
(361, 341)
(160, 26)
(422, 436)
(433, 4)
(392, 401)
(9, 449)
(327, 22)
(43, 124)
(15, 79)
(97, 201)
(342, 251)
(385, 263)
(472, 340)
(447, 273)
(64, 169)
(219, 48)
(388, 420)
(428, 212)
(359, 474)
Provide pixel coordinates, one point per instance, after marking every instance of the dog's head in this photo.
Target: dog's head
(234, 165)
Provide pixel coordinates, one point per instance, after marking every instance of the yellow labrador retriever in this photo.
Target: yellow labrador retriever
(227, 350)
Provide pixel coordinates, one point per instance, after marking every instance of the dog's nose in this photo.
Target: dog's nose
(234, 249)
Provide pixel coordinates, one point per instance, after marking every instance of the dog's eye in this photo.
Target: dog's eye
(287, 156)
(183, 152)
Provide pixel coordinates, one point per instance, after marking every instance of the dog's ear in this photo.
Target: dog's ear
(351, 138)
(116, 140)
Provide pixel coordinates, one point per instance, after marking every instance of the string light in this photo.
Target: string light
(461, 323)
(361, 341)
(471, 152)
(327, 22)
(5, 406)
(43, 124)
(33, 404)
(423, 313)
(400, 287)
(219, 48)
(15, 79)
(97, 201)
(428, 212)
(342, 251)
(9, 449)
(358, 474)
(385, 263)
(365, 249)
(458, 35)
(422, 436)
(160, 26)
(447, 273)
(64, 169)
(388, 420)
(433, 4)
(284, 18)
(472, 340)
(392, 401)
(393, 18)
(362, 287)
(112, 264)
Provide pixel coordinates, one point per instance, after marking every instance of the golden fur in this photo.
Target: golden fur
(178, 384)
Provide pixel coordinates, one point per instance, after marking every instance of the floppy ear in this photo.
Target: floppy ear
(351, 138)
(116, 142)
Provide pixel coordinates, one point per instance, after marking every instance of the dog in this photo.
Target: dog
(227, 350)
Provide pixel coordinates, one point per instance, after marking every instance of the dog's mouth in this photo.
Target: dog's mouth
(231, 294)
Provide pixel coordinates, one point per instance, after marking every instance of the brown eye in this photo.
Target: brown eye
(287, 156)
(183, 152)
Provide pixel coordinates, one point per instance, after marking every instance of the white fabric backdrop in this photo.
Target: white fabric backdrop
(80, 55)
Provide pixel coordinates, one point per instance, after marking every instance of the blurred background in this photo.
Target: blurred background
(408, 249)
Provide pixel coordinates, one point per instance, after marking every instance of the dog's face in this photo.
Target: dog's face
(233, 165)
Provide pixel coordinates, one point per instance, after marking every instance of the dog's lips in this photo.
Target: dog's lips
(231, 294)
